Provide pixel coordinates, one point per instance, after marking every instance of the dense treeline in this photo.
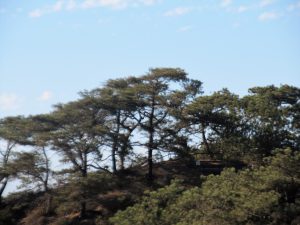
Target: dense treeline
(265, 195)
(151, 118)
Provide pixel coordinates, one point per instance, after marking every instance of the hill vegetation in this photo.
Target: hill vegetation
(154, 150)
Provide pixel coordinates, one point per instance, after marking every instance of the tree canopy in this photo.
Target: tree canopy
(91, 157)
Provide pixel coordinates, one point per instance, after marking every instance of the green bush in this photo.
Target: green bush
(265, 195)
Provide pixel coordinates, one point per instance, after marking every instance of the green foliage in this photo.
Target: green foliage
(31, 168)
(259, 196)
(216, 118)
(156, 92)
(271, 114)
(247, 128)
(161, 112)
(15, 129)
(67, 200)
(151, 210)
(122, 119)
(14, 207)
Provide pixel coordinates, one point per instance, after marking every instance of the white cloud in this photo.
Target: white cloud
(226, 3)
(9, 102)
(36, 13)
(294, 6)
(264, 3)
(229, 7)
(68, 5)
(242, 9)
(116, 4)
(177, 11)
(236, 25)
(149, 2)
(184, 28)
(56, 7)
(104, 21)
(45, 96)
(268, 16)
(71, 4)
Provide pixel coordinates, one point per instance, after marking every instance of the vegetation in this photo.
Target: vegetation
(109, 157)
(264, 195)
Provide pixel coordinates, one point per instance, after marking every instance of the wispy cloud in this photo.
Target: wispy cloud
(294, 6)
(236, 25)
(264, 3)
(230, 7)
(226, 3)
(56, 7)
(149, 2)
(9, 102)
(242, 9)
(185, 28)
(272, 12)
(268, 16)
(36, 13)
(116, 4)
(45, 96)
(68, 5)
(179, 11)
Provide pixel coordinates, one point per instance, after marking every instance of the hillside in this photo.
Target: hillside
(125, 189)
(99, 159)
(107, 195)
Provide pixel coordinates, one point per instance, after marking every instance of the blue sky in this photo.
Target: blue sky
(51, 50)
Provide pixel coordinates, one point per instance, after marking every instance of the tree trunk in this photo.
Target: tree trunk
(150, 160)
(122, 159)
(48, 203)
(6, 156)
(83, 191)
(114, 162)
(115, 143)
(150, 144)
(82, 204)
(47, 169)
(3, 186)
(207, 148)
